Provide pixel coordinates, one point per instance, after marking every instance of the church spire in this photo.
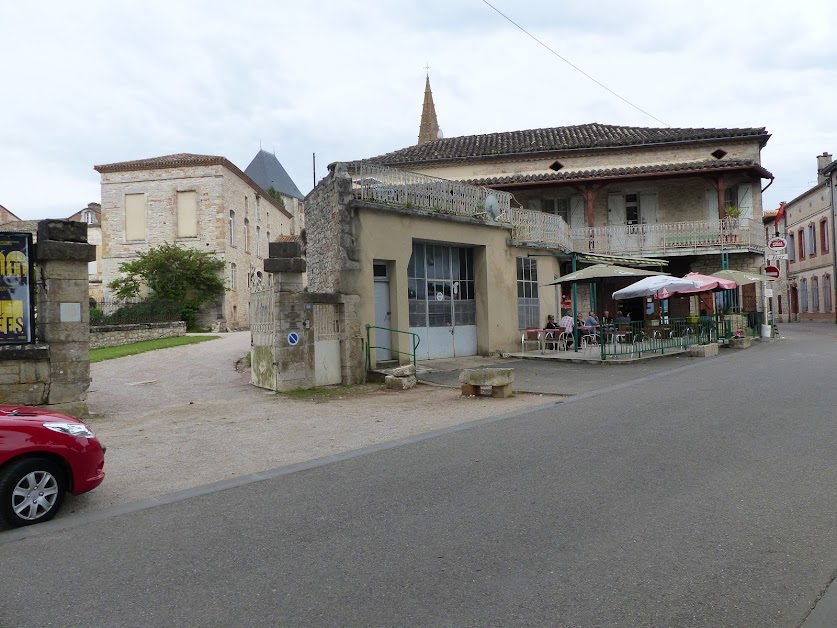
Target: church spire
(429, 128)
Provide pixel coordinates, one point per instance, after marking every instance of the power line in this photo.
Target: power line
(572, 65)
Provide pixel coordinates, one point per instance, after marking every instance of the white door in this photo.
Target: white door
(648, 219)
(382, 339)
(442, 300)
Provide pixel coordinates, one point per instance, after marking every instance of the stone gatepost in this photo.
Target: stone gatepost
(63, 323)
(299, 317)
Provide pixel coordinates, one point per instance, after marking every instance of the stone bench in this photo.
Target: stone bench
(500, 380)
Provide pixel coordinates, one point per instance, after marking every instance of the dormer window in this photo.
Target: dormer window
(88, 216)
(556, 166)
(719, 154)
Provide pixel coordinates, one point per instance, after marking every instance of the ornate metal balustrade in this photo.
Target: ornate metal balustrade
(537, 227)
(670, 238)
(407, 189)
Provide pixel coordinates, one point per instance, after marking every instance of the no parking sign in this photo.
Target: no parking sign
(293, 339)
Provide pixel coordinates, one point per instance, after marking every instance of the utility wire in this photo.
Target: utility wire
(571, 64)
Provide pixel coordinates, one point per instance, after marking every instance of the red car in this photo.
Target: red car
(44, 455)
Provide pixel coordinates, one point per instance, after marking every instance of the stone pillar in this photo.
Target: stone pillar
(63, 323)
(294, 363)
(352, 359)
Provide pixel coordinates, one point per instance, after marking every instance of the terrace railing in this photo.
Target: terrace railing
(693, 236)
(411, 190)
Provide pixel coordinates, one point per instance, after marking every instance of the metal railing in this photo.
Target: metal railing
(692, 236)
(128, 312)
(369, 346)
(534, 226)
(410, 190)
(643, 337)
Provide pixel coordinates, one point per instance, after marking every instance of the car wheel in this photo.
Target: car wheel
(31, 491)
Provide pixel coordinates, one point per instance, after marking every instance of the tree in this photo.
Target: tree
(272, 193)
(171, 273)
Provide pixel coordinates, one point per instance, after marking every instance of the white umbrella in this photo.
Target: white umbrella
(650, 286)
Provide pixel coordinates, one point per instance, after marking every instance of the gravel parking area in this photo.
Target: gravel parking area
(185, 417)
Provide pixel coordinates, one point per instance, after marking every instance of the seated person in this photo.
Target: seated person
(591, 322)
(621, 318)
(551, 336)
(568, 324)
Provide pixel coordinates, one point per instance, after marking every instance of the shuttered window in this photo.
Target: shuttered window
(187, 215)
(136, 218)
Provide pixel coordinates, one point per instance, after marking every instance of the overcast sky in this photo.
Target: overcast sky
(92, 82)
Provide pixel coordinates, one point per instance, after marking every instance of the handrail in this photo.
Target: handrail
(370, 346)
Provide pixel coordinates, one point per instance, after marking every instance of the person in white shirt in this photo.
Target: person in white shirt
(567, 323)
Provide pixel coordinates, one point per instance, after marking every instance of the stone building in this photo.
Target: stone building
(808, 227)
(91, 215)
(465, 270)
(7, 216)
(203, 202)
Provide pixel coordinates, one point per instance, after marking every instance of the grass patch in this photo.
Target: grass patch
(109, 353)
(325, 394)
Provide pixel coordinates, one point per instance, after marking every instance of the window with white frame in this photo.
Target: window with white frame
(258, 241)
(233, 276)
(803, 295)
(827, 298)
(528, 303)
(815, 294)
(246, 235)
(558, 207)
(232, 228)
(258, 208)
(812, 240)
(791, 248)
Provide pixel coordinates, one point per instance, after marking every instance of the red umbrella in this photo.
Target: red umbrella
(707, 283)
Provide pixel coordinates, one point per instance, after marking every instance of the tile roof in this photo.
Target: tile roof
(180, 160)
(177, 160)
(266, 170)
(610, 173)
(583, 136)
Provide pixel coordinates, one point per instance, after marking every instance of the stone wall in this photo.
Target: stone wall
(116, 335)
(331, 240)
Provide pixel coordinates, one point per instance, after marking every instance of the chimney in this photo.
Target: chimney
(822, 161)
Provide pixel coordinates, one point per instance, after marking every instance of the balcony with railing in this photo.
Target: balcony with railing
(397, 188)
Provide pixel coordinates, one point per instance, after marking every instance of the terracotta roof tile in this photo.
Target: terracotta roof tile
(609, 173)
(584, 136)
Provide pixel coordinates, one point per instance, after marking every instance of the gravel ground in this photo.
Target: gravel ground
(186, 416)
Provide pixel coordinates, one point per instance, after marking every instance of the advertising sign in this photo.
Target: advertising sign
(777, 244)
(16, 304)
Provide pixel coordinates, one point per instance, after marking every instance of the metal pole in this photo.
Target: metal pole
(575, 305)
(314, 165)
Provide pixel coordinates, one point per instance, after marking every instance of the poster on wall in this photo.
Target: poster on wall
(16, 306)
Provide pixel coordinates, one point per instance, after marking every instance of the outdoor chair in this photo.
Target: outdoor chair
(530, 336)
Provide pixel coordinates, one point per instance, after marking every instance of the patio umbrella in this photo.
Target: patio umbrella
(602, 271)
(740, 277)
(706, 283)
(650, 286)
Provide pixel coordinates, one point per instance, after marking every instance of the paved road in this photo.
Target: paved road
(704, 496)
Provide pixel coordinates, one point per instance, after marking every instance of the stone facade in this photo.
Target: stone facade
(220, 189)
(117, 335)
(810, 269)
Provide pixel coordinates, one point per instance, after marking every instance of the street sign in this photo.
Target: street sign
(777, 244)
(293, 339)
(774, 256)
(768, 292)
(772, 271)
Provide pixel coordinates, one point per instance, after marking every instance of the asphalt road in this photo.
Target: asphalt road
(700, 496)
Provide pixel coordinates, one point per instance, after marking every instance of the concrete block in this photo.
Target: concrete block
(501, 392)
(703, 351)
(48, 250)
(487, 376)
(24, 394)
(62, 230)
(284, 249)
(399, 383)
(34, 372)
(740, 343)
(404, 371)
(469, 390)
(284, 265)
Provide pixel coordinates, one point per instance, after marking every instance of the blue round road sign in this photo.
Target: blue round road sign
(293, 338)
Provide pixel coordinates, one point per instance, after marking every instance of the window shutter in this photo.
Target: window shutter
(577, 218)
(616, 210)
(745, 200)
(711, 205)
(648, 208)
